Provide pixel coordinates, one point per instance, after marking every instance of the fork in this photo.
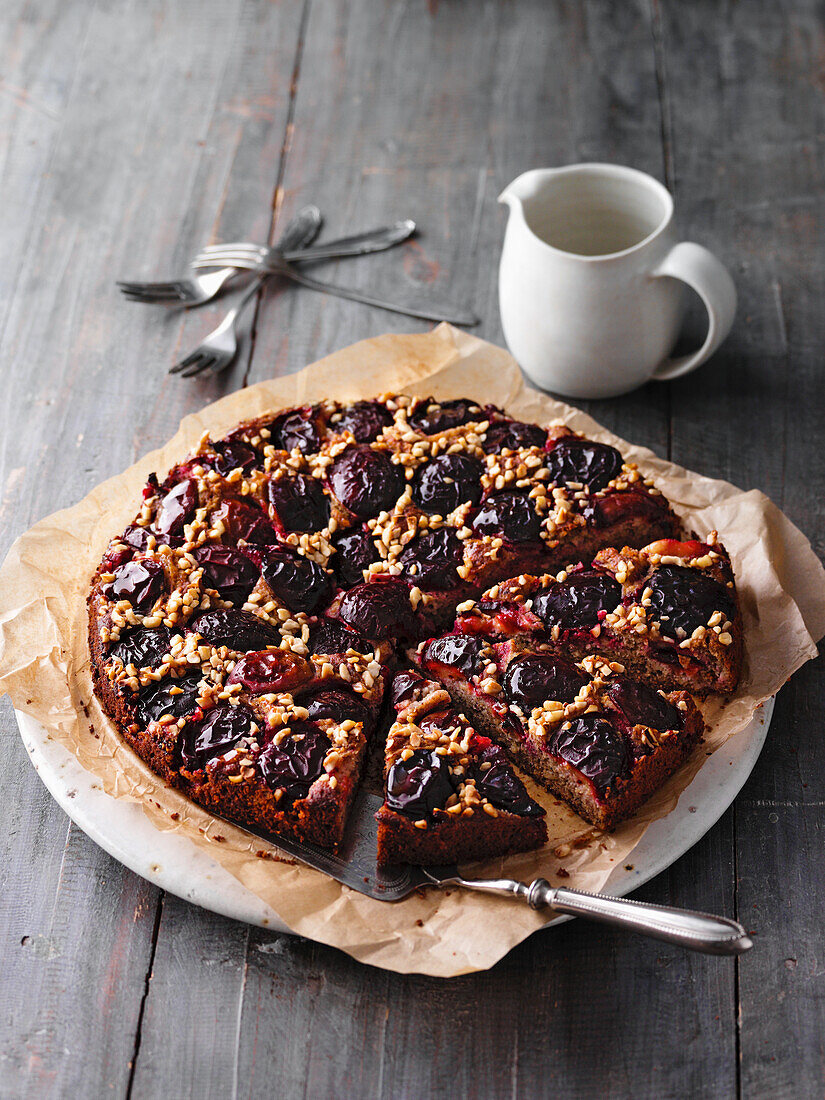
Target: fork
(274, 264)
(219, 348)
(201, 288)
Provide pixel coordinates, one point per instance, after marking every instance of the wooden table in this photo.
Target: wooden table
(135, 132)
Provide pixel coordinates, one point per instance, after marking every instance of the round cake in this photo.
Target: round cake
(243, 627)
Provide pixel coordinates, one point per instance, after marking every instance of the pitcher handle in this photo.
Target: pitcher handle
(711, 280)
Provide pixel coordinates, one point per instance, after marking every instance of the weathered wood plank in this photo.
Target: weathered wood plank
(134, 133)
(747, 114)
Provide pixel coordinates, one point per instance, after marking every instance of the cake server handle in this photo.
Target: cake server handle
(697, 931)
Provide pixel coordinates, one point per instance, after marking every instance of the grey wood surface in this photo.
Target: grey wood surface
(132, 132)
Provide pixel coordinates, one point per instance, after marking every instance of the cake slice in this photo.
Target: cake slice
(586, 731)
(669, 613)
(450, 794)
(265, 737)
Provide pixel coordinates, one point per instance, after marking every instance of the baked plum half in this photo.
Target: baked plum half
(583, 462)
(594, 747)
(293, 765)
(217, 732)
(365, 419)
(511, 515)
(431, 560)
(380, 609)
(354, 552)
(683, 598)
(296, 431)
(238, 630)
(419, 785)
(366, 481)
(511, 435)
(298, 503)
(432, 417)
(579, 602)
(227, 571)
(442, 484)
(534, 678)
(141, 583)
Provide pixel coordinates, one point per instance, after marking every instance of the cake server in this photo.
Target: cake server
(355, 866)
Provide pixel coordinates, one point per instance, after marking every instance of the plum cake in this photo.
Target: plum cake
(668, 612)
(243, 625)
(585, 731)
(451, 795)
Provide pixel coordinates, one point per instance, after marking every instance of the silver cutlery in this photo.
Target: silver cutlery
(276, 266)
(219, 348)
(197, 289)
(359, 244)
(355, 866)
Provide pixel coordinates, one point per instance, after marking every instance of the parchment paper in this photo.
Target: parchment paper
(44, 663)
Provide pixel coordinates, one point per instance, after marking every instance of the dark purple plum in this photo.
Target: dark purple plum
(300, 583)
(583, 462)
(683, 598)
(271, 671)
(576, 603)
(338, 705)
(216, 733)
(447, 481)
(295, 764)
(245, 522)
(365, 419)
(233, 454)
(500, 785)
(296, 430)
(532, 679)
(403, 685)
(136, 537)
(238, 630)
(510, 435)
(331, 636)
(177, 508)
(419, 785)
(623, 507)
(594, 747)
(642, 706)
(139, 582)
(366, 481)
(431, 560)
(431, 416)
(156, 699)
(461, 651)
(299, 503)
(510, 515)
(380, 609)
(354, 552)
(143, 648)
(229, 572)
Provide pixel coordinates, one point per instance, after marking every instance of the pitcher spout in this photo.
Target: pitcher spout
(524, 187)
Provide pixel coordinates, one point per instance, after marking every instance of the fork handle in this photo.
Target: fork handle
(447, 314)
(697, 931)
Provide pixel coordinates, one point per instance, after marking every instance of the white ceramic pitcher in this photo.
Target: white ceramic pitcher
(591, 283)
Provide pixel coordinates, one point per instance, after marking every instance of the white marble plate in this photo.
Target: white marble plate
(176, 864)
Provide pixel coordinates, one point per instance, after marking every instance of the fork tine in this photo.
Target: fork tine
(190, 360)
(221, 363)
(198, 368)
(156, 300)
(155, 296)
(154, 288)
(234, 246)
